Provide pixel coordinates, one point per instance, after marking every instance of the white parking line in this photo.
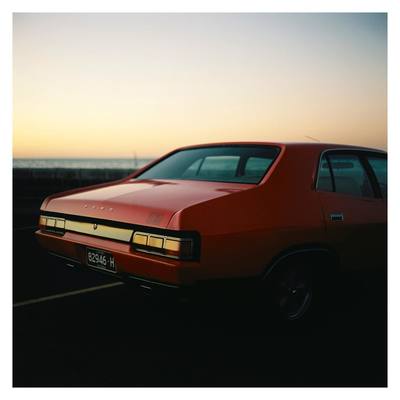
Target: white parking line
(60, 295)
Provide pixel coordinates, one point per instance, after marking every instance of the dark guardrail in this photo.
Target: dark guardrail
(68, 174)
(31, 186)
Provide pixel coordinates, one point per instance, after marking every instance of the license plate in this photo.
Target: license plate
(100, 259)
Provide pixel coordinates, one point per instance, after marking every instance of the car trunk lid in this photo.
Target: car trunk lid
(141, 202)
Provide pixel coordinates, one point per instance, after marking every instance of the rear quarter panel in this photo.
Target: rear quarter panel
(242, 233)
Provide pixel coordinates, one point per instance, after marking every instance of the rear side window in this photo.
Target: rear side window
(256, 166)
(379, 166)
(218, 167)
(349, 175)
(324, 183)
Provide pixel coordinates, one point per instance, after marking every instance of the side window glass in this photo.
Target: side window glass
(256, 167)
(324, 183)
(379, 166)
(193, 169)
(350, 176)
(219, 167)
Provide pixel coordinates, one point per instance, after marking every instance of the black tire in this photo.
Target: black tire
(299, 288)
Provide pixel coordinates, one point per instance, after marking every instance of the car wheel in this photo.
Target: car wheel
(292, 292)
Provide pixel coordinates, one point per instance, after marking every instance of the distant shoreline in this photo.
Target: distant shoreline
(80, 163)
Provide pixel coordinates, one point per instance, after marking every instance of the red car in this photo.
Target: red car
(282, 215)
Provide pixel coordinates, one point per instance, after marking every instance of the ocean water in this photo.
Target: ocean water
(80, 163)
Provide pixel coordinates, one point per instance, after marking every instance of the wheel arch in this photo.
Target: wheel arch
(306, 251)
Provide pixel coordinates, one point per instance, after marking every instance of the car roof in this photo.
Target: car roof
(317, 146)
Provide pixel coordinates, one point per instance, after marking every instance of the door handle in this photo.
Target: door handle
(336, 217)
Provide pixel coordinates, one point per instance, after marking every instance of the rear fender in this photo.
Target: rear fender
(315, 255)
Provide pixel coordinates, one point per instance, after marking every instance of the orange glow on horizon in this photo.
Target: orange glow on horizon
(110, 85)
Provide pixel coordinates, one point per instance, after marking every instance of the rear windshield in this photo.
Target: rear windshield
(239, 164)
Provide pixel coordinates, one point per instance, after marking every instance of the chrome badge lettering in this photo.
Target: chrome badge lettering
(102, 208)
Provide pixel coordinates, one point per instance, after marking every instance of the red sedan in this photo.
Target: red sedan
(279, 214)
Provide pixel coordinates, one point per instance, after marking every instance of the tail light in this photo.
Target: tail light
(52, 224)
(168, 246)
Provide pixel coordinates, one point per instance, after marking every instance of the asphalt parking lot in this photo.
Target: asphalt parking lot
(111, 336)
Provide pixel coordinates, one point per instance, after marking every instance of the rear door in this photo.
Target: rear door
(354, 206)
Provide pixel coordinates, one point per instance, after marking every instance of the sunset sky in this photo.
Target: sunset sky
(109, 85)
